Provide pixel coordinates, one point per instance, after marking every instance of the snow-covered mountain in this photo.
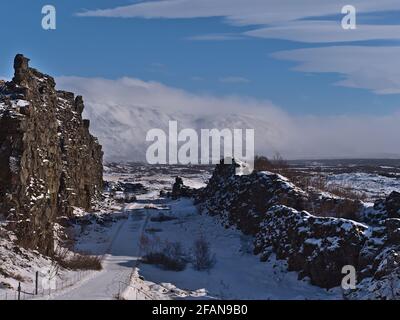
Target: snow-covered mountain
(123, 110)
(122, 130)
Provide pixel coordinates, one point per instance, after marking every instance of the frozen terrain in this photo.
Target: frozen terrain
(236, 274)
(373, 185)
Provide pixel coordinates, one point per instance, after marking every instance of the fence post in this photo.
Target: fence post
(19, 290)
(37, 283)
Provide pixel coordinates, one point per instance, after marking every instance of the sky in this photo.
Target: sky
(292, 54)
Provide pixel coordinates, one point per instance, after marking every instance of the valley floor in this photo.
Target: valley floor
(237, 273)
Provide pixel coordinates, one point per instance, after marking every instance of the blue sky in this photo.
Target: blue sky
(202, 47)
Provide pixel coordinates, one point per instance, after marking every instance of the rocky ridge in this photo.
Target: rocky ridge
(277, 213)
(49, 161)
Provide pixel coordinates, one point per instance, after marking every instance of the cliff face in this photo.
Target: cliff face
(49, 162)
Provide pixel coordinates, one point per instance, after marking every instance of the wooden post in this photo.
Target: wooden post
(19, 290)
(37, 283)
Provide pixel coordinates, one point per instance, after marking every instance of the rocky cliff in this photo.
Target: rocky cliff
(277, 214)
(49, 162)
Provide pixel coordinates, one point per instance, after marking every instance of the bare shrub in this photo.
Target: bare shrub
(262, 163)
(9, 274)
(277, 164)
(149, 245)
(81, 261)
(168, 255)
(161, 217)
(203, 259)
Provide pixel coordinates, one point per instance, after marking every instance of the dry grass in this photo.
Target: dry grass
(320, 183)
(346, 207)
(203, 259)
(8, 274)
(78, 261)
(168, 255)
(82, 262)
(306, 181)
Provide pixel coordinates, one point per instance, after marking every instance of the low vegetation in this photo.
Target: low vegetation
(76, 261)
(306, 181)
(161, 217)
(167, 255)
(203, 259)
(171, 255)
(82, 262)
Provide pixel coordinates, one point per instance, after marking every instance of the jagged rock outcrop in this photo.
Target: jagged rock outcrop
(49, 162)
(320, 247)
(386, 208)
(180, 190)
(316, 247)
(243, 200)
(276, 212)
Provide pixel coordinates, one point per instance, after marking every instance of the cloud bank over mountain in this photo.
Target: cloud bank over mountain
(123, 110)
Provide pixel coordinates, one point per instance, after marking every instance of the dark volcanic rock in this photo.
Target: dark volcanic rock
(392, 205)
(385, 208)
(49, 162)
(244, 200)
(180, 190)
(276, 212)
(317, 247)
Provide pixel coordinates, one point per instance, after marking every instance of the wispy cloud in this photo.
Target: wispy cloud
(216, 37)
(234, 79)
(326, 32)
(373, 68)
(279, 19)
(240, 12)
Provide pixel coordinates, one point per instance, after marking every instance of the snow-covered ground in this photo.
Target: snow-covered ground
(237, 273)
(118, 262)
(372, 185)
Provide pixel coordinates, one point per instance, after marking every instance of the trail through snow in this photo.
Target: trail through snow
(118, 262)
(237, 274)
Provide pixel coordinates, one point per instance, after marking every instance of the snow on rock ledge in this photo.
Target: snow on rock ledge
(243, 200)
(316, 247)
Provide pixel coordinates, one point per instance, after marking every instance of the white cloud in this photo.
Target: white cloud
(234, 79)
(282, 19)
(326, 31)
(216, 37)
(122, 110)
(373, 68)
(240, 12)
